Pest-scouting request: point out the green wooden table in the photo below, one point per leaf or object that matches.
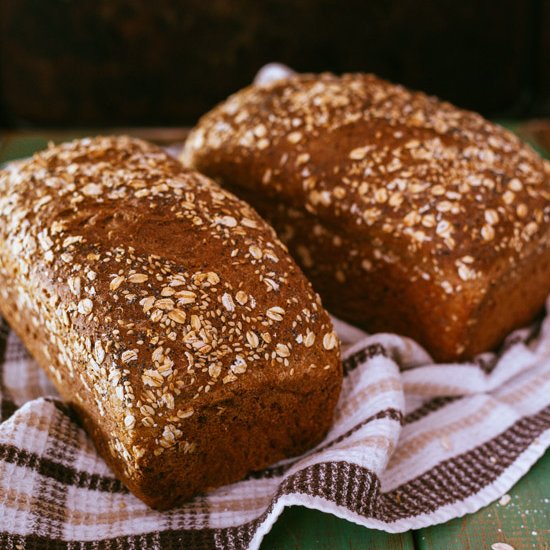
(523, 523)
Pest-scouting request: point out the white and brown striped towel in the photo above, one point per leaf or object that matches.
(413, 444)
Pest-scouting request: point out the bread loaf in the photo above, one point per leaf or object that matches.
(408, 214)
(167, 314)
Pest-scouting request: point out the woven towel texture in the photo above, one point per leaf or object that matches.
(413, 444)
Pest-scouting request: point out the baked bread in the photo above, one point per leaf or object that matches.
(408, 214)
(166, 312)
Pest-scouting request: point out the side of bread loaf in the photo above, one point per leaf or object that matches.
(408, 214)
(166, 312)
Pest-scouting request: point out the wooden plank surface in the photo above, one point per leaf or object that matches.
(524, 522)
(300, 528)
(14, 145)
(15, 148)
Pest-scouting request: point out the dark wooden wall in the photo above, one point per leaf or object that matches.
(165, 62)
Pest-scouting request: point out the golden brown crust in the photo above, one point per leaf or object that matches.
(422, 201)
(164, 308)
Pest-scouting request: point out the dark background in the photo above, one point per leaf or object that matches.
(69, 63)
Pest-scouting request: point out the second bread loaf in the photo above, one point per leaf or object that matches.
(408, 214)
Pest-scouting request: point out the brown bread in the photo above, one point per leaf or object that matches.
(167, 313)
(408, 214)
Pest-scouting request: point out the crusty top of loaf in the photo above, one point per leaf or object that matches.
(409, 174)
(161, 291)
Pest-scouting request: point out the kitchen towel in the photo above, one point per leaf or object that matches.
(413, 444)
